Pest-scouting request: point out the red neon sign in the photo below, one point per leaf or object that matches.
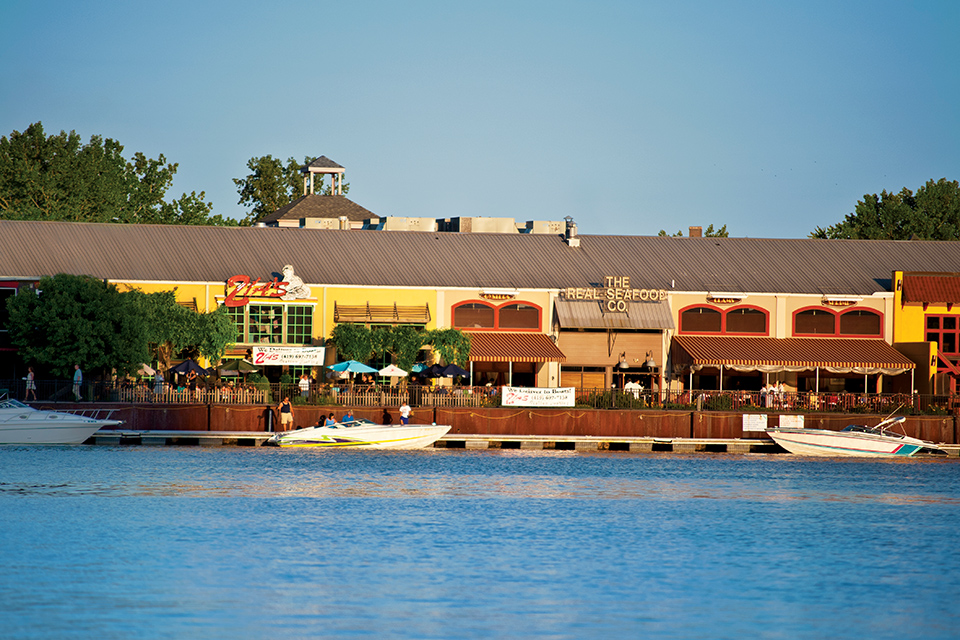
(240, 290)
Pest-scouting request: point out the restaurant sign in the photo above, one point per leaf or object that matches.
(297, 356)
(240, 288)
(538, 397)
(615, 293)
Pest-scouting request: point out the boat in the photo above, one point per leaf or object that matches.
(856, 440)
(362, 434)
(22, 424)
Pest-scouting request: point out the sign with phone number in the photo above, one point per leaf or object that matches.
(536, 397)
(297, 356)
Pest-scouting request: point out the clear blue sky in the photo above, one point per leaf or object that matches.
(769, 117)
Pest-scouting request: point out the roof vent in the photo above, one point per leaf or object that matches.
(570, 237)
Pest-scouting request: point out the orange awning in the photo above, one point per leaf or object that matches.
(513, 347)
(931, 288)
(836, 355)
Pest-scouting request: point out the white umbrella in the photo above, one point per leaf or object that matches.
(391, 371)
(146, 370)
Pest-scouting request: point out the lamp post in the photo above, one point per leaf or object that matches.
(651, 366)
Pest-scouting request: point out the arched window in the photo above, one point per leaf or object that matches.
(860, 322)
(700, 320)
(746, 320)
(815, 322)
(519, 316)
(473, 315)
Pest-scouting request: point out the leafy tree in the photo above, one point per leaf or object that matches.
(77, 320)
(170, 328)
(933, 213)
(271, 185)
(352, 341)
(453, 345)
(58, 177)
(402, 343)
(709, 233)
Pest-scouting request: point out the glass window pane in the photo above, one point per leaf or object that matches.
(815, 322)
(746, 321)
(933, 322)
(860, 323)
(519, 316)
(950, 323)
(473, 315)
(299, 324)
(700, 320)
(949, 344)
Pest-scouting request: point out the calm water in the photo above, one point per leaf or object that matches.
(141, 542)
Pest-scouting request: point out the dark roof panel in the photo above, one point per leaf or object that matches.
(418, 259)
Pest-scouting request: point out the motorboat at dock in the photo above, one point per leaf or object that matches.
(854, 441)
(362, 434)
(22, 424)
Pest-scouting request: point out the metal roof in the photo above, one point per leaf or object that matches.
(588, 314)
(483, 260)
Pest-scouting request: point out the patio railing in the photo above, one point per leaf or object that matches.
(423, 396)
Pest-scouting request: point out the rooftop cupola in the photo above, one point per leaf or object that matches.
(322, 166)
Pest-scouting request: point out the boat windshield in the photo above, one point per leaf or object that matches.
(862, 428)
(10, 403)
(356, 422)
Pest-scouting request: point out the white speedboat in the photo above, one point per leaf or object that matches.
(855, 440)
(22, 424)
(362, 434)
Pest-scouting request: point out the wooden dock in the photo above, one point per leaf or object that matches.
(473, 441)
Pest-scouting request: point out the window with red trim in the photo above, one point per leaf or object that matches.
(516, 316)
(474, 315)
(745, 320)
(819, 322)
(945, 332)
(701, 320)
(860, 322)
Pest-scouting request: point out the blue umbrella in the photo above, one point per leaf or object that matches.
(352, 366)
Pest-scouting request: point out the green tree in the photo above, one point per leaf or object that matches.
(709, 233)
(58, 177)
(271, 185)
(352, 341)
(401, 342)
(453, 345)
(933, 213)
(171, 328)
(77, 320)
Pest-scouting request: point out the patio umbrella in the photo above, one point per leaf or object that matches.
(146, 370)
(391, 371)
(418, 367)
(453, 371)
(433, 371)
(238, 365)
(187, 366)
(352, 366)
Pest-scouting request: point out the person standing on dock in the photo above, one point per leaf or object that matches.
(405, 412)
(77, 381)
(31, 385)
(286, 413)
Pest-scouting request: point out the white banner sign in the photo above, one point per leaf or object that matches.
(792, 421)
(754, 422)
(298, 356)
(536, 397)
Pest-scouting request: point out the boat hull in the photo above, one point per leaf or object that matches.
(820, 442)
(50, 427)
(414, 436)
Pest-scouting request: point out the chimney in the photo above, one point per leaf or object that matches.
(696, 232)
(570, 237)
